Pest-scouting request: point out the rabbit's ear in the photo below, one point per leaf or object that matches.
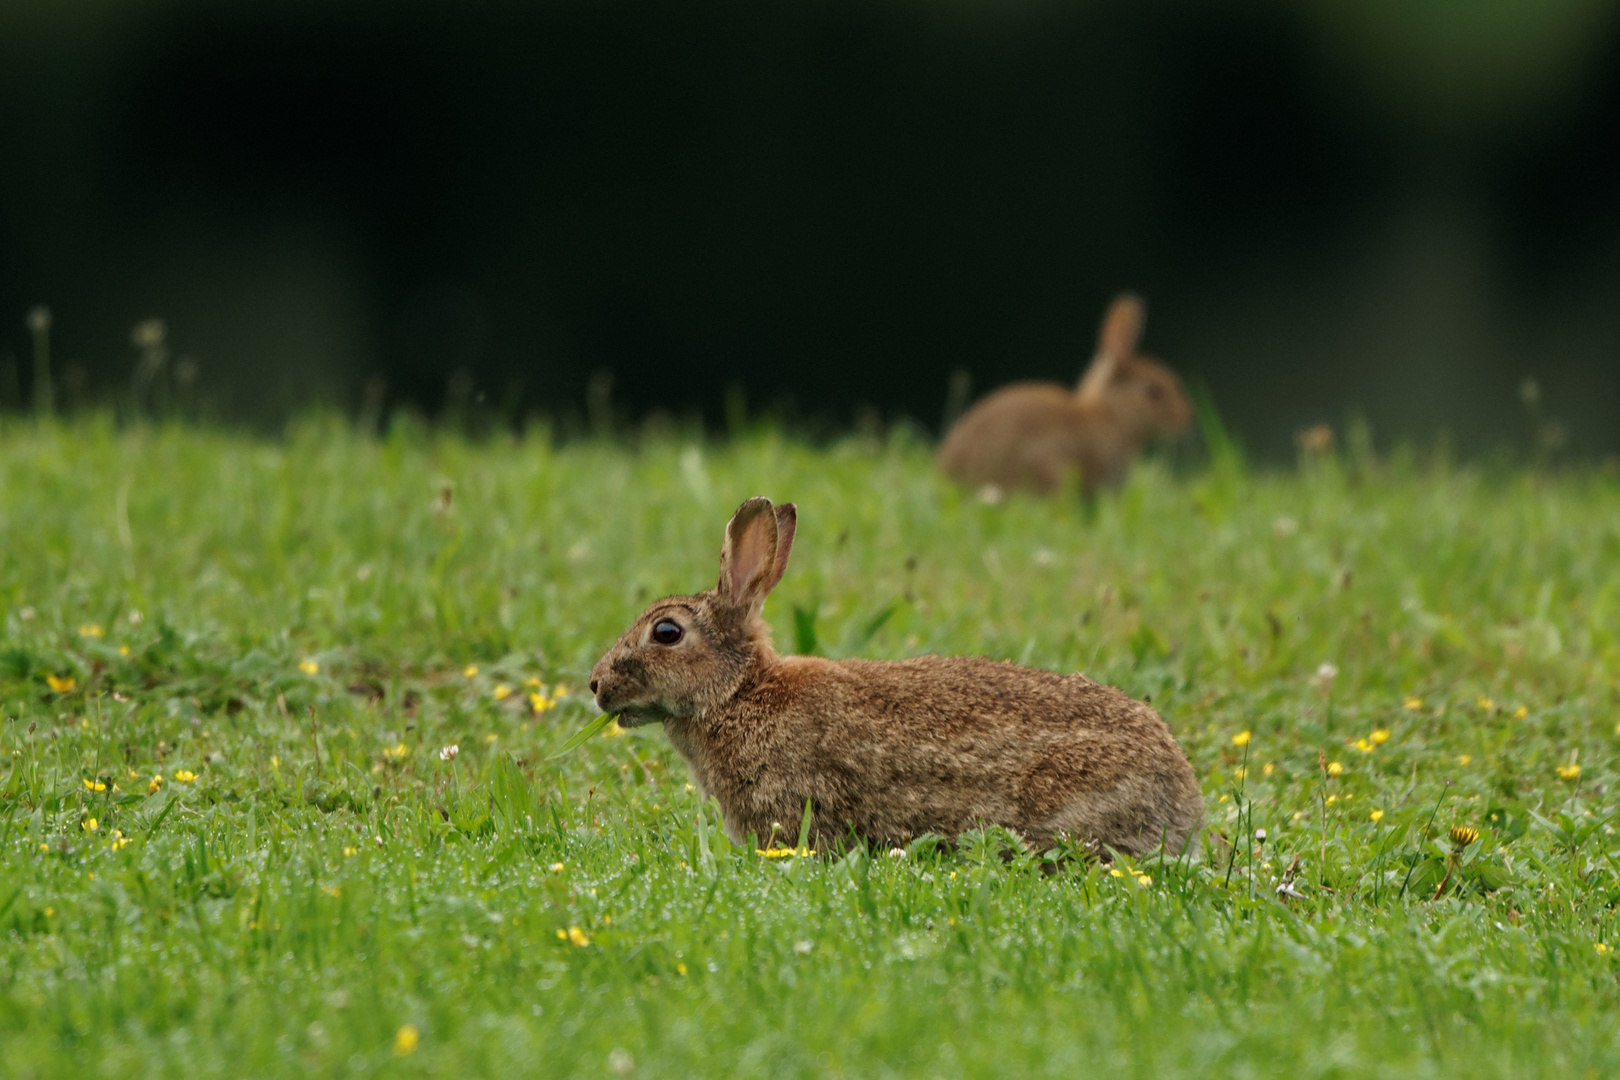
(787, 523)
(1094, 383)
(1117, 339)
(1121, 329)
(748, 558)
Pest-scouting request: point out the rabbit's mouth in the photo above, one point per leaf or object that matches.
(640, 715)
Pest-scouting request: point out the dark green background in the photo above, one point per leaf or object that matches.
(1398, 207)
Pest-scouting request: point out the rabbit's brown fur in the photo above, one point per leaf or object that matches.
(890, 749)
(1034, 436)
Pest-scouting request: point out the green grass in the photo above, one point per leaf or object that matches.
(310, 609)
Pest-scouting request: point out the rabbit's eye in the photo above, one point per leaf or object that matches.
(667, 632)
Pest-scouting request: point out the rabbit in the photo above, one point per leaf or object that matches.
(886, 750)
(1032, 435)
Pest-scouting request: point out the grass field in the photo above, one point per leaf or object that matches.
(291, 633)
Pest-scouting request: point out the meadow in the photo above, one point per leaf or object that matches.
(278, 794)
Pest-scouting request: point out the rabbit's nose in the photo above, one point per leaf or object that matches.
(594, 683)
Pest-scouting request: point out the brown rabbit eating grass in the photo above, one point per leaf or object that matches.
(888, 750)
(1034, 435)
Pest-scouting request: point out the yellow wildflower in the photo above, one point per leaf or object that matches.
(1143, 880)
(534, 682)
(118, 839)
(1572, 771)
(153, 787)
(1331, 799)
(64, 685)
(1364, 746)
(350, 852)
(501, 692)
(557, 692)
(1380, 736)
(785, 852)
(1602, 948)
(91, 825)
(470, 670)
(538, 702)
(309, 666)
(614, 730)
(1242, 738)
(1487, 704)
(1521, 712)
(1116, 872)
(1240, 772)
(1376, 815)
(123, 650)
(334, 891)
(185, 776)
(1268, 768)
(405, 1040)
(95, 785)
(557, 868)
(397, 752)
(90, 630)
(1463, 835)
(680, 969)
(1334, 768)
(1412, 704)
(577, 938)
(1464, 759)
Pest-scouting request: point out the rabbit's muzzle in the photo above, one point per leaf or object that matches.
(619, 690)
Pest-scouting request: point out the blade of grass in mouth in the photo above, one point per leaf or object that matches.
(583, 735)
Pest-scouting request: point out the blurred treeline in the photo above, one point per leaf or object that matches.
(1402, 208)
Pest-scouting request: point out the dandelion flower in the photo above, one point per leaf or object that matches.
(470, 670)
(185, 776)
(397, 752)
(1463, 835)
(448, 753)
(803, 853)
(1464, 759)
(1487, 704)
(501, 692)
(1268, 768)
(577, 938)
(1364, 746)
(557, 868)
(91, 630)
(350, 852)
(680, 969)
(309, 666)
(95, 785)
(1334, 768)
(1143, 880)
(1572, 771)
(91, 825)
(1116, 872)
(1376, 815)
(1412, 704)
(1242, 738)
(406, 1039)
(1521, 712)
(1380, 736)
(66, 684)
